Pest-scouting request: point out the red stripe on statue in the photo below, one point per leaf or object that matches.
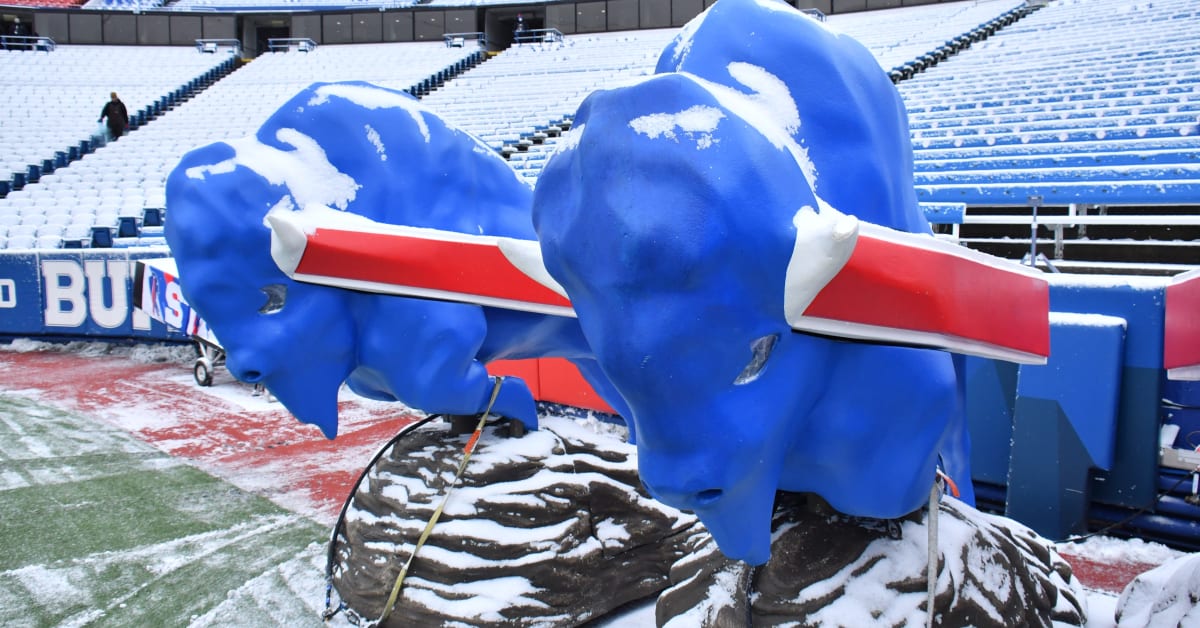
(928, 292)
(456, 267)
(1181, 342)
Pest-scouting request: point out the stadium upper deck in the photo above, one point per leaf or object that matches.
(1039, 106)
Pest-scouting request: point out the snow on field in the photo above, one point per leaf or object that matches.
(133, 497)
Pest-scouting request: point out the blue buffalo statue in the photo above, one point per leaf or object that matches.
(671, 215)
(361, 150)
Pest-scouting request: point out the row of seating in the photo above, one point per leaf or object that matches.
(53, 99)
(509, 99)
(1023, 113)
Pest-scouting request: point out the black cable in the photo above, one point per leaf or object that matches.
(1126, 520)
(341, 520)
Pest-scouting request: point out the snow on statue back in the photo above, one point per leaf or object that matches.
(335, 150)
(670, 216)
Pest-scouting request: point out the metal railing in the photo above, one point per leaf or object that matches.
(303, 44)
(537, 35)
(213, 45)
(458, 40)
(26, 42)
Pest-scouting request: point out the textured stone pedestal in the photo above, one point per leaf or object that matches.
(549, 529)
(831, 570)
(554, 529)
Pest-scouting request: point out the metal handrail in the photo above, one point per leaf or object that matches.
(26, 42)
(537, 35)
(212, 45)
(303, 44)
(457, 40)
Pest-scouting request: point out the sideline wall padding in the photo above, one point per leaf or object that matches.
(75, 294)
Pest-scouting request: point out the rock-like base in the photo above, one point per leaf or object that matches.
(831, 570)
(549, 529)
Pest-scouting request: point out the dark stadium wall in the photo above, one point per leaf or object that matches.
(401, 25)
(340, 27)
(183, 29)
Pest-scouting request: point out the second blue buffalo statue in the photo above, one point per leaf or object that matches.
(671, 215)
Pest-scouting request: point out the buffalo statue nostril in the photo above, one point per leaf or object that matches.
(250, 377)
(708, 496)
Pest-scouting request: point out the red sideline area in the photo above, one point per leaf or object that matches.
(263, 449)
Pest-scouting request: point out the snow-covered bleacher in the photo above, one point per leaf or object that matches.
(898, 36)
(123, 5)
(52, 99)
(1090, 110)
(276, 5)
(111, 188)
(530, 87)
(1084, 102)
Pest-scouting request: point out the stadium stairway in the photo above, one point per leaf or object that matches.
(438, 80)
(959, 43)
(32, 172)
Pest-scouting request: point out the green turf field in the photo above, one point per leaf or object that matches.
(98, 528)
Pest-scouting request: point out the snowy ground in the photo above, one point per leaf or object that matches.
(130, 496)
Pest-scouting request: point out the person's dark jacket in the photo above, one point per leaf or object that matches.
(118, 117)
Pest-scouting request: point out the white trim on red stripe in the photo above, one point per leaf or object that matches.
(942, 247)
(907, 337)
(824, 243)
(440, 295)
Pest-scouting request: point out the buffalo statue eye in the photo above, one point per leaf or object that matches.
(276, 298)
(760, 351)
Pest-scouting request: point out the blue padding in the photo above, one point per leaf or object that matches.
(1138, 300)
(944, 213)
(1083, 375)
(1065, 423)
(1048, 485)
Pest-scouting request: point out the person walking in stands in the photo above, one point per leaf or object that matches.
(118, 117)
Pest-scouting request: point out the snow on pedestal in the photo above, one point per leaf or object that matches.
(827, 569)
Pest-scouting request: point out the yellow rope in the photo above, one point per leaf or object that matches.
(467, 451)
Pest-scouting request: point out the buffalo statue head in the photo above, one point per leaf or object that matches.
(345, 148)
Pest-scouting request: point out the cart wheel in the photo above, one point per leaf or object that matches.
(202, 370)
